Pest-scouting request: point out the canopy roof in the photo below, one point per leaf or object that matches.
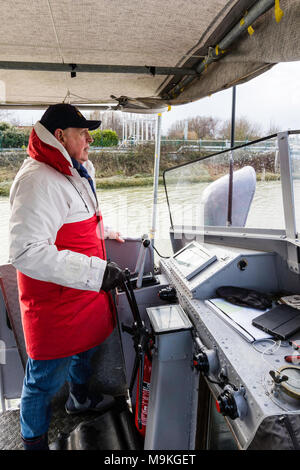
(181, 50)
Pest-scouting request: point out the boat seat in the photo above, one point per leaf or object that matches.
(126, 254)
(215, 198)
(9, 289)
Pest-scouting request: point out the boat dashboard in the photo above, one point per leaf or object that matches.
(234, 222)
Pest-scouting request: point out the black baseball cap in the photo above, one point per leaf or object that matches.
(63, 115)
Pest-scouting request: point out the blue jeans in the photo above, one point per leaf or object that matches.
(43, 379)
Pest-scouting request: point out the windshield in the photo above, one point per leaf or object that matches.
(294, 148)
(198, 192)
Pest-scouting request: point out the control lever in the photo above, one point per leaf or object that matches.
(142, 340)
(140, 264)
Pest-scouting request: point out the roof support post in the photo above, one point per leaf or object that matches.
(156, 177)
(231, 161)
(288, 200)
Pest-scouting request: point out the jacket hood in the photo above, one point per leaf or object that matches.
(45, 148)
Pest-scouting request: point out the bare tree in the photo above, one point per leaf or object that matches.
(176, 130)
(204, 126)
(200, 127)
(109, 120)
(244, 130)
(273, 128)
(9, 116)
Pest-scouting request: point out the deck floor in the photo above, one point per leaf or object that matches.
(61, 423)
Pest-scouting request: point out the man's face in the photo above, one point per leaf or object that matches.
(76, 141)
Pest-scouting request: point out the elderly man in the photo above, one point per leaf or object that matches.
(57, 246)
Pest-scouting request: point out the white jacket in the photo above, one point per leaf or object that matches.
(42, 199)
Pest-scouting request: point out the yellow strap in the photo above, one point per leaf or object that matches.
(169, 108)
(217, 50)
(151, 234)
(242, 21)
(250, 30)
(278, 11)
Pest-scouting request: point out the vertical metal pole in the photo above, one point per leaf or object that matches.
(2, 397)
(230, 187)
(156, 176)
(186, 126)
(138, 128)
(286, 175)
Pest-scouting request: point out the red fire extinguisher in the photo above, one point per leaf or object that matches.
(141, 427)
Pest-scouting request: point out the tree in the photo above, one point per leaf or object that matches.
(205, 127)
(244, 130)
(273, 128)
(105, 138)
(12, 137)
(176, 130)
(201, 127)
(109, 120)
(9, 117)
(4, 126)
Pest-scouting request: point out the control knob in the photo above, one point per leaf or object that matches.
(232, 402)
(205, 360)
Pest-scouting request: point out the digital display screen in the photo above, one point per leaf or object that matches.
(168, 318)
(193, 259)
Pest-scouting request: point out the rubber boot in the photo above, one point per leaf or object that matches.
(36, 443)
(80, 400)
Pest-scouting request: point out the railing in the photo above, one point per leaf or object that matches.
(179, 145)
(213, 145)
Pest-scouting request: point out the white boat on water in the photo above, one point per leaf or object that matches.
(144, 58)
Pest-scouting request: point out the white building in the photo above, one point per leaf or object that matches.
(138, 127)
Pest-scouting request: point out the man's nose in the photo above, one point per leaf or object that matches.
(89, 138)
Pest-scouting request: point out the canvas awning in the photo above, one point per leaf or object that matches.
(43, 41)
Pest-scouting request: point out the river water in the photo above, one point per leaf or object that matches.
(129, 210)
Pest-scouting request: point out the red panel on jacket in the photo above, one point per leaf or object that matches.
(60, 321)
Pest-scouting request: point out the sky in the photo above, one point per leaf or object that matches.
(272, 99)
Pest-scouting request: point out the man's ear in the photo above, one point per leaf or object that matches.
(59, 134)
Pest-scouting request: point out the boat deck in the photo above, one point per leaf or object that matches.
(111, 429)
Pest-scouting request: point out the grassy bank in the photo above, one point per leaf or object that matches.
(124, 182)
(114, 182)
(102, 183)
(134, 167)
